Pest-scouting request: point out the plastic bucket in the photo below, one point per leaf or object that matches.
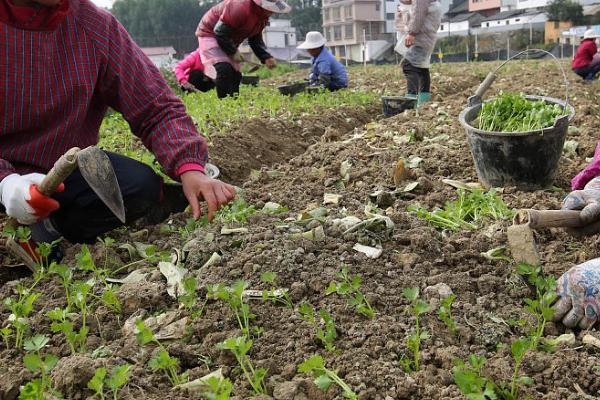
(293, 88)
(250, 80)
(393, 105)
(527, 160)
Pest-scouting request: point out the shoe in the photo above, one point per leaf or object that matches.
(423, 98)
(27, 253)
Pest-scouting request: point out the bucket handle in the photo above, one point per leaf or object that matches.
(489, 79)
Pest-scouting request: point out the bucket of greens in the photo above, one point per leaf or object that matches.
(516, 139)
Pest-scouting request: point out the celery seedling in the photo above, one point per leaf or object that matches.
(469, 380)
(324, 377)
(81, 291)
(326, 336)
(413, 342)
(117, 379)
(519, 348)
(271, 293)
(445, 313)
(162, 360)
(62, 323)
(20, 311)
(38, 388)
(6, 333)
(218, 388)
(233, 296)
(66, 276)
(349, 287)
(240, 346)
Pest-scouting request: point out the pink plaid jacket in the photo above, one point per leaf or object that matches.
(55, 87)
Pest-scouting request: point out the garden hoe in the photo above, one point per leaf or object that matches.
(520, 235)
(96, 169)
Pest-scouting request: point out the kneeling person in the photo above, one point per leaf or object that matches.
(326, 70)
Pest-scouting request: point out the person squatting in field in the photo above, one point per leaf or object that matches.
(586, 62)
(190, 74)
(326, 71)
(417, 23)
(579, 288)
(223, 28)
(64, 62)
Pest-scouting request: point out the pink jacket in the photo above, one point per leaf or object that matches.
(589, 173)
(192, 62)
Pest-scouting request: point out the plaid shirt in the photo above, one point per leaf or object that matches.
(55, 87)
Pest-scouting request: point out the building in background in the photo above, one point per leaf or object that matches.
(485, 7)
(281, 40)
(162, 57)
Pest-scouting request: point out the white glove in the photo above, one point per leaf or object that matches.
(16, 194)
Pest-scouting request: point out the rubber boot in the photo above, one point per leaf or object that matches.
(423, 98)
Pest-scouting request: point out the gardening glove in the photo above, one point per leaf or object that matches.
(588, 201)
(22, 199)
(579, 295)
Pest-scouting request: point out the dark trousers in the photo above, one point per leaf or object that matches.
(228, 80)
(200, 81)
(589, 72)
(82, 216)
(417, 79)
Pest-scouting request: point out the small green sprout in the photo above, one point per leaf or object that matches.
(324, 377)
(234, 298)
(39, 388)
(413, 342)
(326, 336)
(20, 311)
(349, 287)
(445, 313)
(272, 293)
(218, 388)
(469, 380)
(63, 323)
(240, 346)
(117, 379)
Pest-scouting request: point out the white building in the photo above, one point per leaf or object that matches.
(512, 20)
(459, 25)
(280, 39)
(162, 57)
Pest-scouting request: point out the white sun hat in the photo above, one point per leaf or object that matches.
(314, 40)
(590, 34)
(276, 6)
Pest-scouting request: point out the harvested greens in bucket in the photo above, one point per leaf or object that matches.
(512, 112)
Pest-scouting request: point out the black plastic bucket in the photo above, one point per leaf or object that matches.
(527, 160)
(393, 105)
(292, 88)
(250, 80)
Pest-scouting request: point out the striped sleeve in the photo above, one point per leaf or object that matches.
(6, 169)
(132, 85)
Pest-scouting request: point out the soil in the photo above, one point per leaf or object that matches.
(307, 156)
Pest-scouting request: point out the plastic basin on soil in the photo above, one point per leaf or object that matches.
(393, 105)
(527, 160)
(292, 88)
(250, 80)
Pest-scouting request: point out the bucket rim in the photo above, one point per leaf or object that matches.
(398, 98)
(553, 100)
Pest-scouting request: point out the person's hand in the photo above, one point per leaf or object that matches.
(189, 87)
(409, 40)
(270, 63)
(579, 295)
(22, 199)
(196, 186)
(588, 201)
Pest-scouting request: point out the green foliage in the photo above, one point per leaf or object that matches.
(467, 212)
(66, 277)
(190, 298)
(81, 292)
(349, 287)
(324, 377)
(326, 335)
(20, 310)
(273, 294)
(233, 296)
(117, 379)
(445, 313)
(162, 360)
(519, 349)
(240, 346)
(539, 307)
(218, 388)
(38, 388)
(413, 341)
(512, 112)
(565, 10)
(238, 211)
(469, 380)
(63, 323)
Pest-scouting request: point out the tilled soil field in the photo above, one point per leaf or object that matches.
(295, 165)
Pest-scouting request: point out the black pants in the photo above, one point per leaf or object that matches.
(200, 81)
(82, 216)
(228, 80)
(417, 79)
(589, 72)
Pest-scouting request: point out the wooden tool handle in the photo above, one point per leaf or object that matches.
(548, 218)
(62, 168)
(485, 85)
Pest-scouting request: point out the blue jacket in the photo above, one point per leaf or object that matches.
(326, 64)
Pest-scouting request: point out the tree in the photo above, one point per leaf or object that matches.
(305, 16)
(162, 22)
(565, 10)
